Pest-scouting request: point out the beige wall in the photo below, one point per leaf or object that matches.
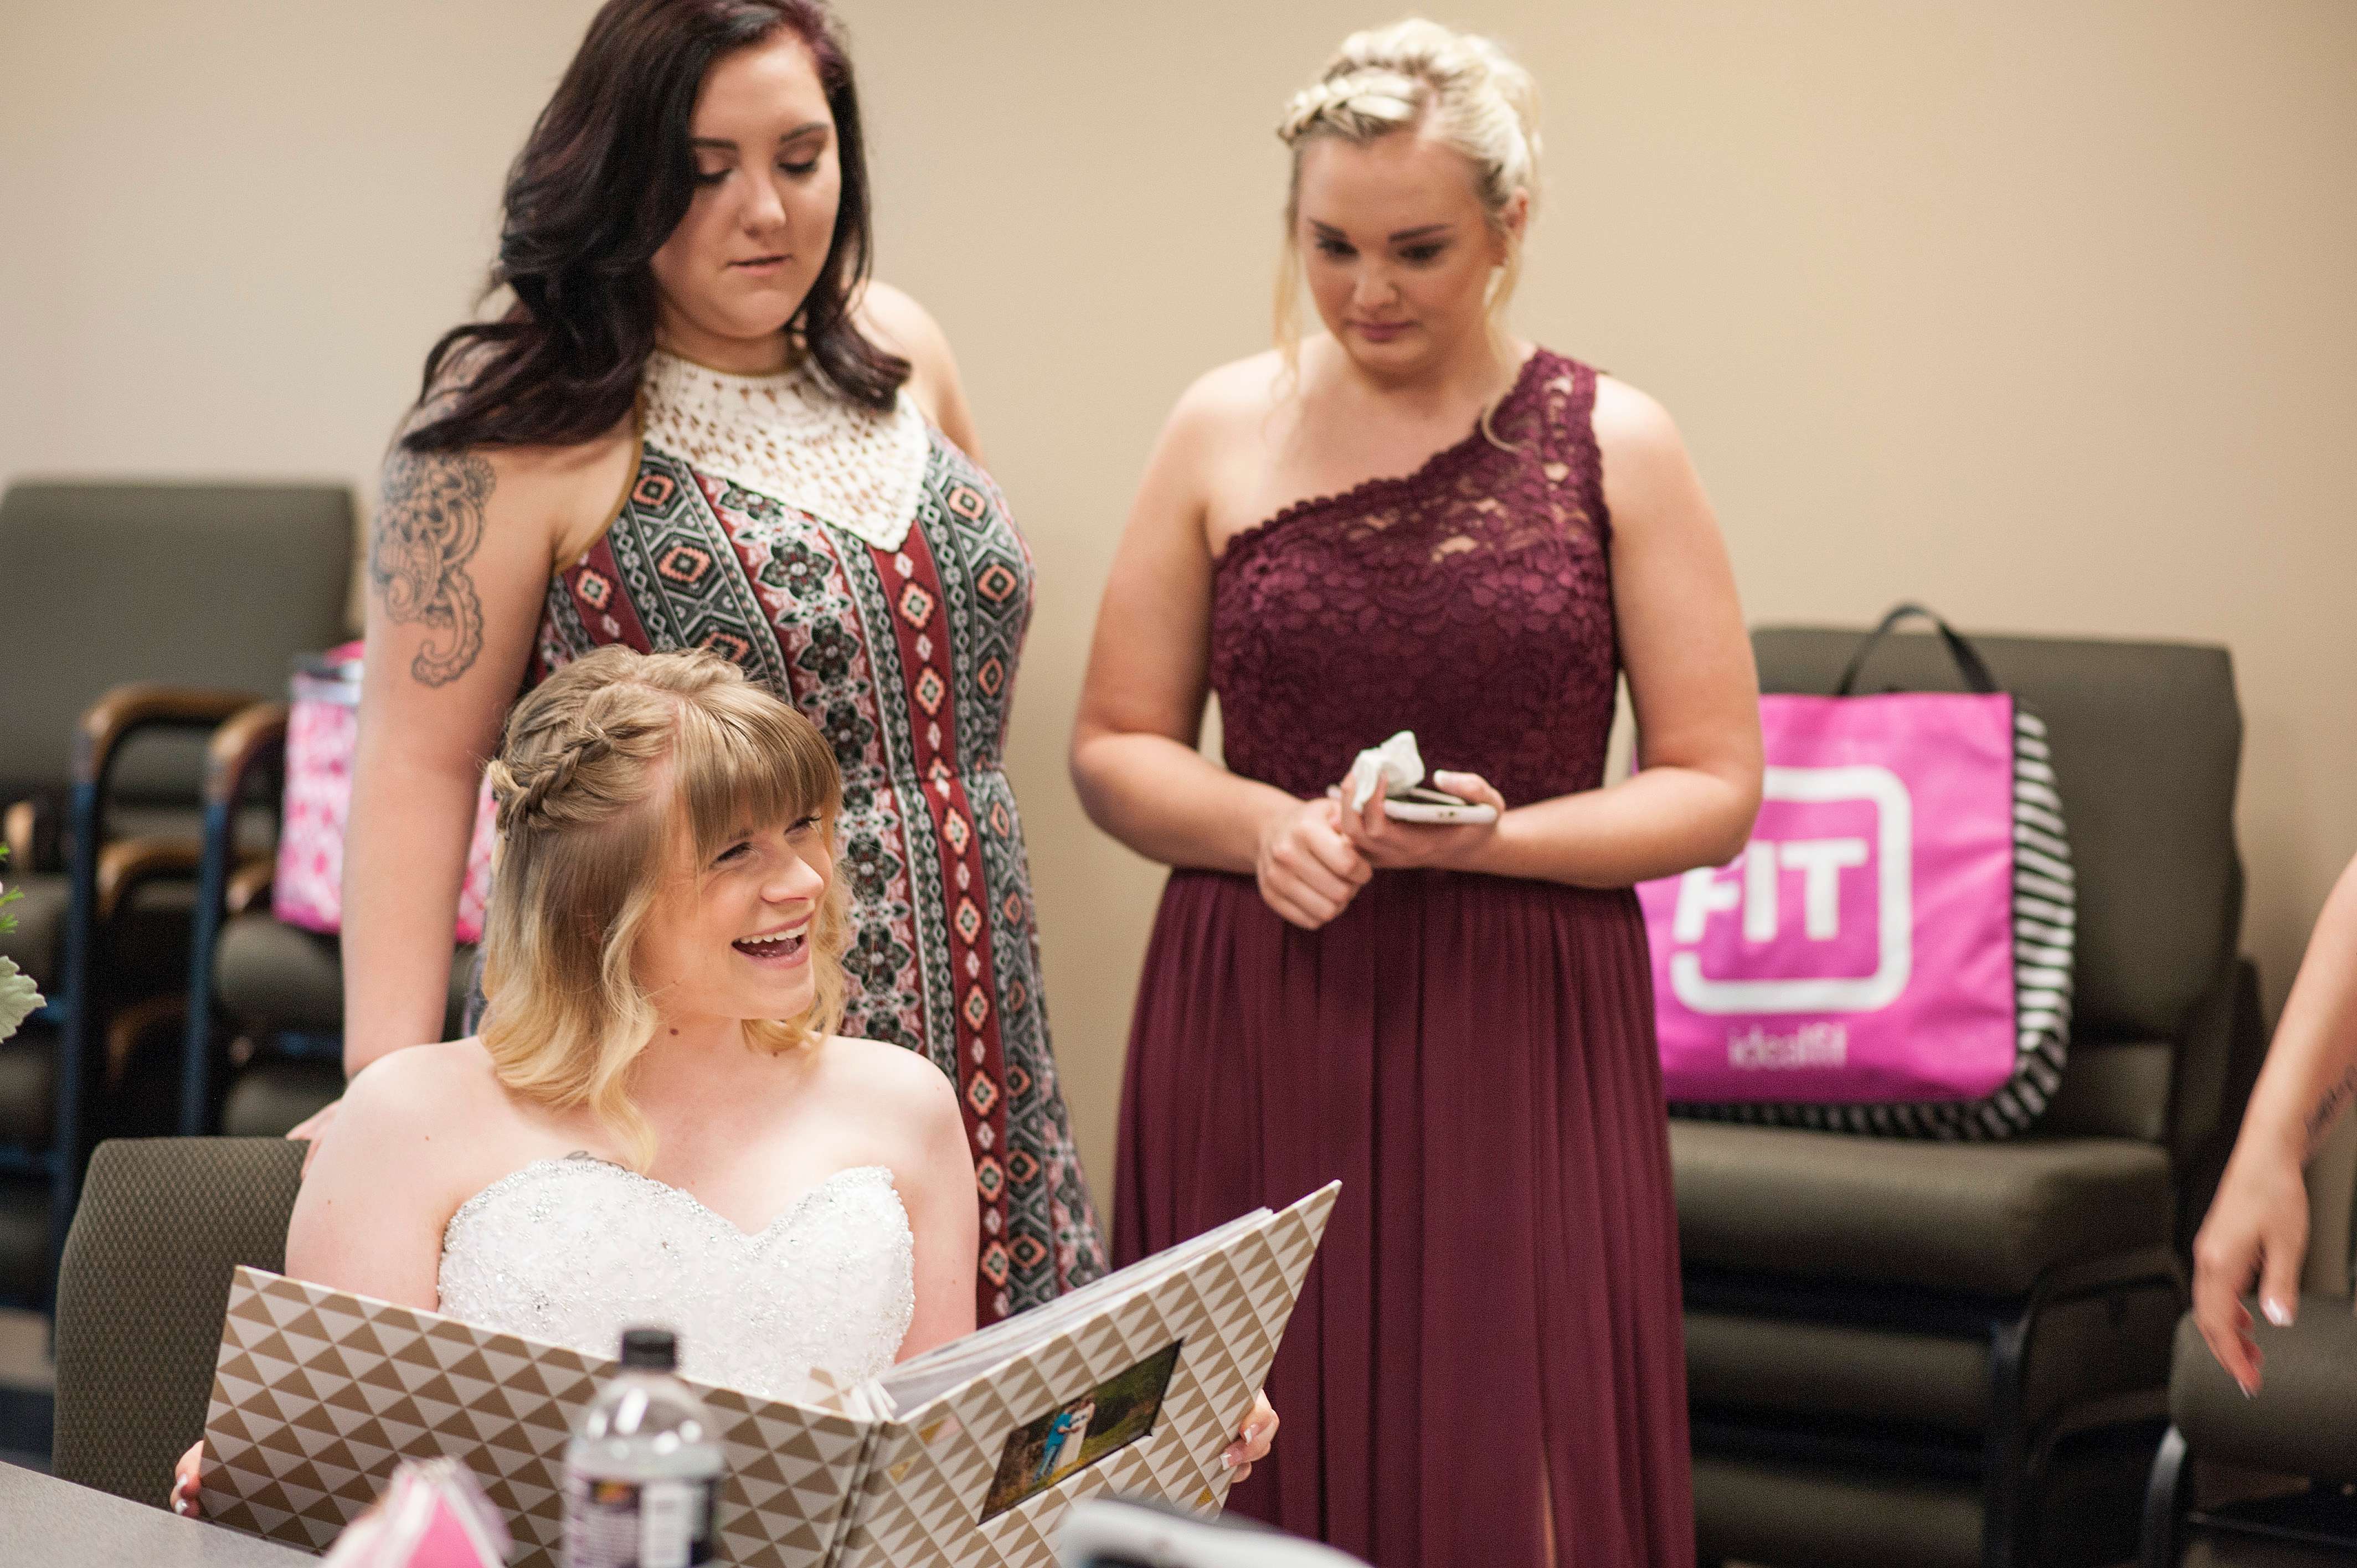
(2043, 313)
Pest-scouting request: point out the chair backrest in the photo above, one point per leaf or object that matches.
(194, 584)
(141, 1292)
(2147, 740)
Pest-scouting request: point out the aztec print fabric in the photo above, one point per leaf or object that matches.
(905, 659)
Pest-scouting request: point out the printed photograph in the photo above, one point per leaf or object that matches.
(1080, 1431)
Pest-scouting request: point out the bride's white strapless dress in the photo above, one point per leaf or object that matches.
(573, 1251)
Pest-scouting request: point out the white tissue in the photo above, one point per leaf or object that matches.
(1397, 764)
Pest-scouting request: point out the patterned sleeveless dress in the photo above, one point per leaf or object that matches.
(1491, 1338)
(862, 567)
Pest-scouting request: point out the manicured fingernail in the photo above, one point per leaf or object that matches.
(2248, 1393)
(2278, 1313)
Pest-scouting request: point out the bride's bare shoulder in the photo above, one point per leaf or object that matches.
(899, 1084)
(449, 1089)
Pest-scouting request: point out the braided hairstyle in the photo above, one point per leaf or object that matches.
(604, 769)
(1460, 89)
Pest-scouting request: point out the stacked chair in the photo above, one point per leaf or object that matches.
(138, 617)
(265, 1019)
(1952, 1355)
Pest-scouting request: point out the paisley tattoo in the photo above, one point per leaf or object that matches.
(428, 524)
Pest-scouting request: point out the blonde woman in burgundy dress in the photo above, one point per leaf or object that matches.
(1416, 520)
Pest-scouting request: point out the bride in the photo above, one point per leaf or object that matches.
(657, 1122)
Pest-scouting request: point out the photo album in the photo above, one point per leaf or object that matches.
(967, 1454)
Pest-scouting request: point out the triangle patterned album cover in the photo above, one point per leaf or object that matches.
(968, 1455)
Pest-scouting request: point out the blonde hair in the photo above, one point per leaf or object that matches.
(1463, 89)
(603, 768)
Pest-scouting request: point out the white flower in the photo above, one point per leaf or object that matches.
(19, 997)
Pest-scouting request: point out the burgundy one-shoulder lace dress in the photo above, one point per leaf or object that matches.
(1493, 1330)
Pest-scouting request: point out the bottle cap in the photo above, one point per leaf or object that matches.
(655, 1350)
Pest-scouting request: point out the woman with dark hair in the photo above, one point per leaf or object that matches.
(698, 424)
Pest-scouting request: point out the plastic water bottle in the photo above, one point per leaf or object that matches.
(643, 1471)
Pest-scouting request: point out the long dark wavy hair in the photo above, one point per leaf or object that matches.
(606, 175)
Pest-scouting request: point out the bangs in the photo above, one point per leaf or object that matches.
(746, 765)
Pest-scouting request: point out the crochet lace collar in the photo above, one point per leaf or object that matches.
(790, 437)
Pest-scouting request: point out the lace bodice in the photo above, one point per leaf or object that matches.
(790, 438)
(1470, 601)
(573, 1251)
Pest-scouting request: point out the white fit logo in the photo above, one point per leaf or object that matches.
(1876, 955)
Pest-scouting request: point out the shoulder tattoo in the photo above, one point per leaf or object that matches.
(429, 522)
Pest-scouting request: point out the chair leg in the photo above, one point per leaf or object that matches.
(197, 1117)
(2164, 1503)
(2006, 1516)
(67, 1138)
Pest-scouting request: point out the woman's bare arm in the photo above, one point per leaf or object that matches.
(1691, 680)
(2255, 1234)
(1134, 744)
(461, 554)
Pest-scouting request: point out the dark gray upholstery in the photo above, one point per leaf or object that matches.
(197, 584)
(2088, 1349)
(2213, 1552)
(1825, 1519)
(270, 1097)
(2269, 1482)
(28, 1084)
(2304, 1421)
(273, 976)
(38, 944)
(1979, 1218)
(141, 1292)
(24, 1236)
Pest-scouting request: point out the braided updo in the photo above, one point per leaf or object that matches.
(1458, 88)
(604, 769)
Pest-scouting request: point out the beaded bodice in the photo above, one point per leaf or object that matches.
(573, 1251)
(1469, 601)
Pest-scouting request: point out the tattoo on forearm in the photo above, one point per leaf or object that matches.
(428, 524)
(2329, 1107)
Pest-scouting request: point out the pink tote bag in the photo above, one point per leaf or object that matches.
(1891, 952)
(322, 733)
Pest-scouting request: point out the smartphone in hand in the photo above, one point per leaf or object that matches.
(1422, 805)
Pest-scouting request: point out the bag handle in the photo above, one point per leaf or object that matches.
(1968, 659)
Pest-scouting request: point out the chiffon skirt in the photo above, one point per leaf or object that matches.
(1489, 1349)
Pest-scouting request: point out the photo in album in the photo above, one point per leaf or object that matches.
(1081, 1432)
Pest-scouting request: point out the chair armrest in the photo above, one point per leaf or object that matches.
(245, 739)
(255, 736)
(33, 828)
(2299, 1425)
(127, 710)
(251, 884)
(127, 864)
